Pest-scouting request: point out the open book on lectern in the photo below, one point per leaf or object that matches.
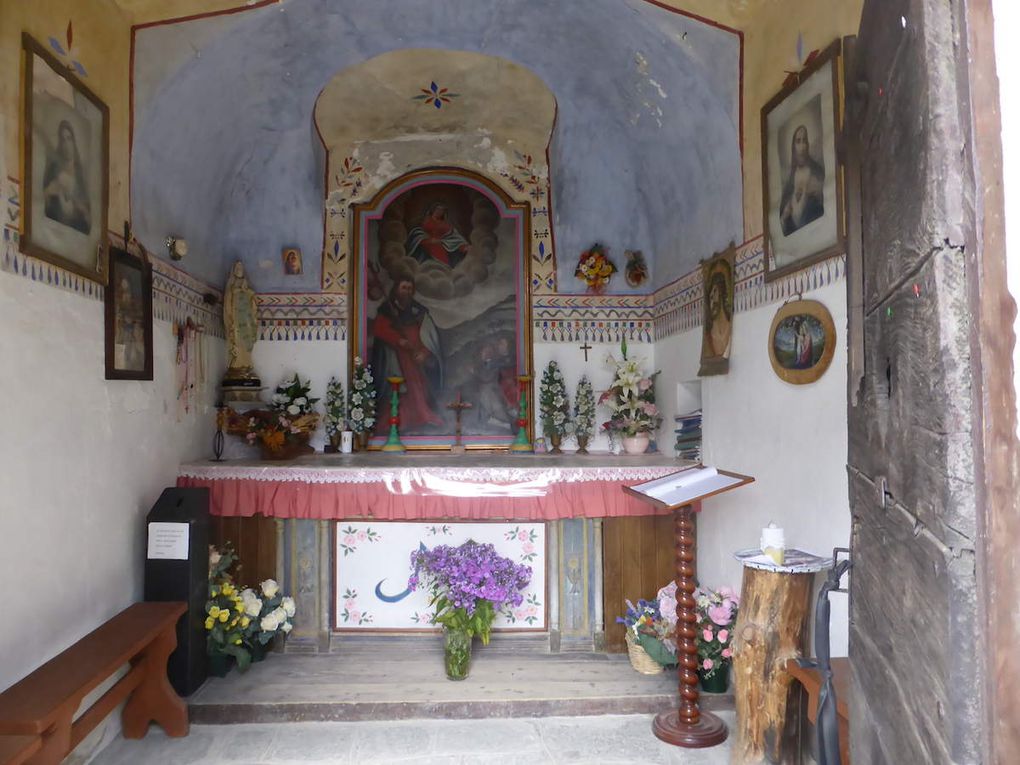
(688, 485)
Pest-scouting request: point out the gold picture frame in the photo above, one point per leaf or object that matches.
(65, 132)
(802, 341)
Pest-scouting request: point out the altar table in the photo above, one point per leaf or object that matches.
(429, 486)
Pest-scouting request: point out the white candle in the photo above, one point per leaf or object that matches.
(773, 543)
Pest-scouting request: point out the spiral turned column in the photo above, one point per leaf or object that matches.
(687, 726)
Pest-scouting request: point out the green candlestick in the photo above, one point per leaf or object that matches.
(393, 443)
(521, 443)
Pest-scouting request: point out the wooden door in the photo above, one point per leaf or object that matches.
(638, 559)
(917, 636)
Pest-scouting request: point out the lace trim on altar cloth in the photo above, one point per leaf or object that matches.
(537, 477)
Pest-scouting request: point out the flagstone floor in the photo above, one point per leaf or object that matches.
(594, 739)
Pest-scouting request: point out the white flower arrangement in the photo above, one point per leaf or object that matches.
(336, 407)
(361, 402)
(630, 398)
(273, 611)
(553, 404)
(584, 409)
(291, 397)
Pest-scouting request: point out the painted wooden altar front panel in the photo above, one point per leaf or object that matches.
(373, 565)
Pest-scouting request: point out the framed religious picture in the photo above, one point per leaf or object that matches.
(441, 286)
(802, 341)
(128, 318)
(717, 323)
(66, 135)
(801, 179)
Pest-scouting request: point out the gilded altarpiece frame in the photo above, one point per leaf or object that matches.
(441, 297)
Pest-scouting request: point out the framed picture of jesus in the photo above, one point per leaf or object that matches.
(441, 298)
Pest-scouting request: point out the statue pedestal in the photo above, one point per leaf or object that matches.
(241, 394)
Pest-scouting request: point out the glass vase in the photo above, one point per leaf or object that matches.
(457, 653)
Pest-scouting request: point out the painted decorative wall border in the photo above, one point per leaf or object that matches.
(302, 316)
(176, 296)
(593, 318)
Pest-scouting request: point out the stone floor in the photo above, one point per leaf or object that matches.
(599, 739)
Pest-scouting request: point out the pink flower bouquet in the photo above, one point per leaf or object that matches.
(717, 615)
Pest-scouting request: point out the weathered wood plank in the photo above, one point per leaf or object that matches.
(913, 424)
(904, 599)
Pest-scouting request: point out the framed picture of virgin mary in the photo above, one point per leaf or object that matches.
(441, 298)
(66, 185)
(801, 177)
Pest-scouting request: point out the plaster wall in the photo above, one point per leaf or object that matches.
(791, 438)
(778, 36)
(101, 43)
(84, 459)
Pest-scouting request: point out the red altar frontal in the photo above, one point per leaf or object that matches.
(430, 486)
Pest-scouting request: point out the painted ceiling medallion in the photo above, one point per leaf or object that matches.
(435, 95)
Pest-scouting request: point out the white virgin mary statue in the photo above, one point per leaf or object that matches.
(240, 319)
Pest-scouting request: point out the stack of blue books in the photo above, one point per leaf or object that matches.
(688, 436)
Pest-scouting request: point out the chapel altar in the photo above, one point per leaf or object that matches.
(327, 511)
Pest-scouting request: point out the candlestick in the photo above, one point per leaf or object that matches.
(521, 443)
(393, 443)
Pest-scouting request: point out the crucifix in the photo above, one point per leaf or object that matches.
(458, 406)
(586, 348)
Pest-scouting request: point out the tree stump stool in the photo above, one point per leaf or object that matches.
(770, 630)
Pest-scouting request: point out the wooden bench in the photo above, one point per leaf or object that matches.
(36, 714)
(812, 682)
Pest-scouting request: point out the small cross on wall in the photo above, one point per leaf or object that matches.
(586, 348)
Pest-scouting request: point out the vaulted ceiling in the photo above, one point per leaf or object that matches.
(645, 154)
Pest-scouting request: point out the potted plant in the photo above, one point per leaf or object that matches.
(225, 621)
(470, 584)
(584, 414)
(631, 401)
(554, 406)
(361, 409)
(270, 611)
(336, 412)
(717, 613)
(283, 431)
(651, 641)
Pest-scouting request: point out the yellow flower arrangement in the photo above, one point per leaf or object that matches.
(595, 268)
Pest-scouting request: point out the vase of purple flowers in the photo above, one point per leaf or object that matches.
(470, 584)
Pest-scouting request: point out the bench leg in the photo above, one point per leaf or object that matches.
(154, 700)
(56, 742)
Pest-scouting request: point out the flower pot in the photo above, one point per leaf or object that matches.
(555, 440)
(220, 664)
(290, 450)
(258, 651)
(718, 682)
(636, 444)
(361, 441)
(457, 653)
(582, 444)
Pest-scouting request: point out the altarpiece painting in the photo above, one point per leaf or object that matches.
(442, 300)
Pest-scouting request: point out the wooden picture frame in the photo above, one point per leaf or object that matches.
(802, 180)
(424, 233)
(128, 318)
(65, 131)
(718, 280)
(802, 341)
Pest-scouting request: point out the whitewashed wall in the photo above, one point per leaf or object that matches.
(83, 460)
(792, 438)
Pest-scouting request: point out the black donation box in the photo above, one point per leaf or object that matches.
(177, 568)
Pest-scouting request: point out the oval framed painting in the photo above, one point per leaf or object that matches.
(802, 340)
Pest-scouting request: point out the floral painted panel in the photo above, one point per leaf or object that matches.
(373, 565)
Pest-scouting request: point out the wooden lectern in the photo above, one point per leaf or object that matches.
(687, 726)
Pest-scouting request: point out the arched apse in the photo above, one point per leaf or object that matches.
(645, 154)
(374, 132)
